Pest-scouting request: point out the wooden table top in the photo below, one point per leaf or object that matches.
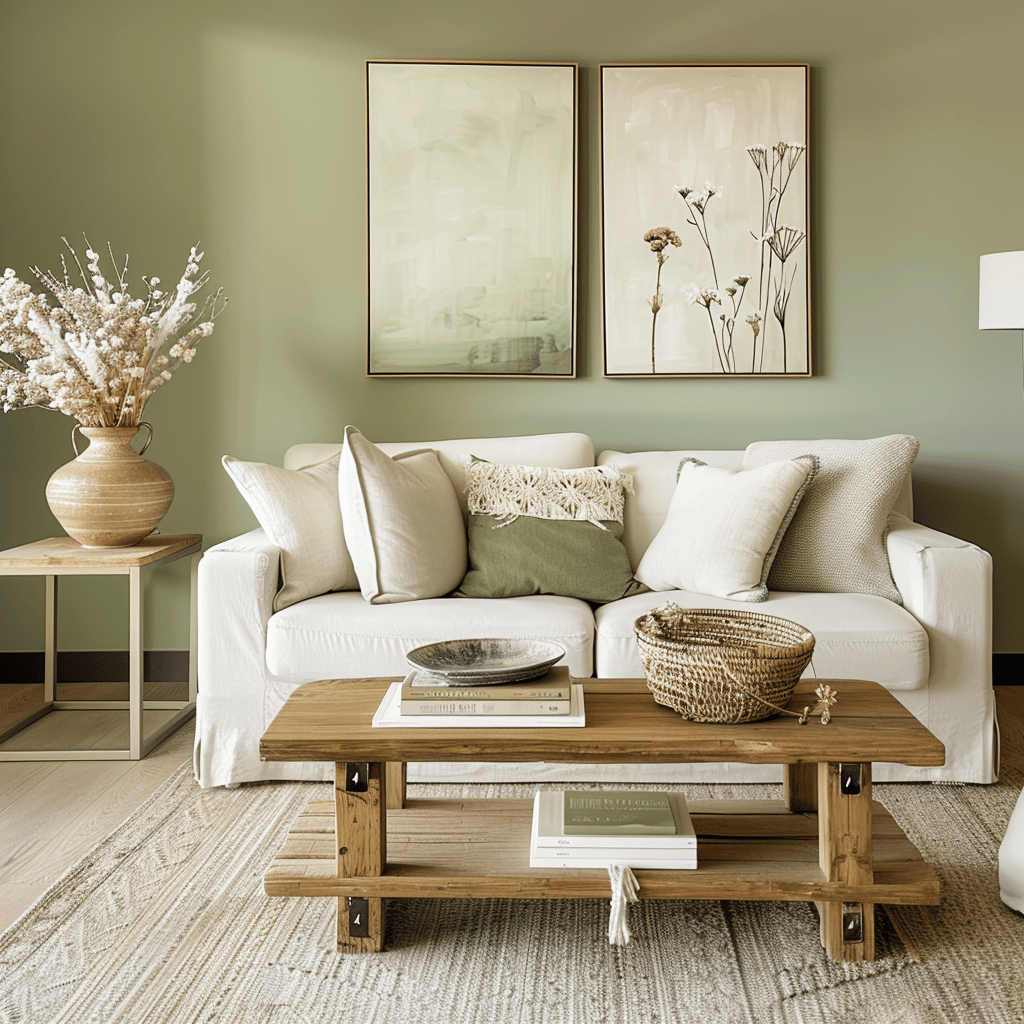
(56, 553)
(330, 720)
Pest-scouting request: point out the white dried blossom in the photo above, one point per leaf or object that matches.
(98, 354)
(696, 295)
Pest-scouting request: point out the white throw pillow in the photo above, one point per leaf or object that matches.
(723, 528)
(298, 509)
(404, 527)
(836, 543)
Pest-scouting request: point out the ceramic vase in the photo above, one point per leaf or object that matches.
(109, 496)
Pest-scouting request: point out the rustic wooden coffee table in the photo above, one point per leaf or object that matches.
(826, 841)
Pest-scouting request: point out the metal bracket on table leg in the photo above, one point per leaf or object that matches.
(849, 779)
(853, 922)
(358, 917)
(357, 777)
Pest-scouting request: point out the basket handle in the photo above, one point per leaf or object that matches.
(825, 694)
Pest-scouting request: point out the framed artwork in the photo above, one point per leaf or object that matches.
(471, 191)
(704, 206)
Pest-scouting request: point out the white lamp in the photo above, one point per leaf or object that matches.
(1001, 292)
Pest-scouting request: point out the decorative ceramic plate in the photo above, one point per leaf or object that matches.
(487, 661)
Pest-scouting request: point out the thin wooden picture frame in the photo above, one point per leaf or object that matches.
(472, 195)
(705, 220)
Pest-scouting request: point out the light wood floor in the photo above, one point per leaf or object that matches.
(53, 812)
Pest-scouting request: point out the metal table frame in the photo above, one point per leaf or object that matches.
(32, 560)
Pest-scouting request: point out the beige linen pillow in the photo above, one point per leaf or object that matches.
(723, 528)
(836, 542)
(298, 509)
(404, 527)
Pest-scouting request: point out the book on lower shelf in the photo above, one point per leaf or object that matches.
(616, 813)
(550, 847)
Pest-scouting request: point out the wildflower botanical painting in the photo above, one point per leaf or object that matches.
(472, 218)
(706, 167)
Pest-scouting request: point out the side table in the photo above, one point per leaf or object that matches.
(62, 556)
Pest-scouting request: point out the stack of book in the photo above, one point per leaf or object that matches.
(423, 694)
(592, 829)
(420, 701)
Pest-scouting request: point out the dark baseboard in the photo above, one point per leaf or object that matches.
(172, 667)
(93, 666)
(1008, 669)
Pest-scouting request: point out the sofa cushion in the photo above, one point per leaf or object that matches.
(340, 635)
(405, 531)
(836, 542)
(857, 636)
(723, 528)
(299, 512)
(541, 530)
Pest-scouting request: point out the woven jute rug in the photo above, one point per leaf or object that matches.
(166, 922)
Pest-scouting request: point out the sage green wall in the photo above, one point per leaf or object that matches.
(240, 123)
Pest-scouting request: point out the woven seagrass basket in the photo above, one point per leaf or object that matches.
(721, 666)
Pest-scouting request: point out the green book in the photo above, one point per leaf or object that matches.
(617, 813)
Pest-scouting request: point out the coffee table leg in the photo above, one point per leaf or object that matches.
(800, 795)
(396, 785)
(360, 832)
(844, 854)
(800, 786)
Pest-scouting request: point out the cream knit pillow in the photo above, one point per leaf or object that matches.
(836, 542)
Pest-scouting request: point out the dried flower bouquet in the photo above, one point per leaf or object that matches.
(98, 355)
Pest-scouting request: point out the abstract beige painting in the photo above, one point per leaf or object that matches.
(472, 218)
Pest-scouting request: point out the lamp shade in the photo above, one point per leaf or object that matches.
(1001, 292)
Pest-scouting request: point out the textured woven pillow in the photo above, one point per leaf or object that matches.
(836, 542)
(723, 528)
(537, 530)
(298, 509)
(404, 526)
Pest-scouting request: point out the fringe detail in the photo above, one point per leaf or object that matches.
(624, 890)
(590, 495)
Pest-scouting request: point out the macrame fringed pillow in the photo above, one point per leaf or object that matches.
(538, 530)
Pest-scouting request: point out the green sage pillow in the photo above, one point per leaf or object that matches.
(538, 530)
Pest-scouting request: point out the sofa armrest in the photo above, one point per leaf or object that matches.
(237, 583)
(946, 584)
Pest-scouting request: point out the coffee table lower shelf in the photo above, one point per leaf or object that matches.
(746, 850)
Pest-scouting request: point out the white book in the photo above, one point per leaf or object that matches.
(635, 859)
(389, 716)
(679, 859)
(548, 831)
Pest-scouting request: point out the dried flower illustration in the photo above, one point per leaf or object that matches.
(659, 239)
(98, 355)
(759, 154)
(782, 293)
(696, 295)
(754, 320)
(696, 205)
(784, 240)
(775, 167)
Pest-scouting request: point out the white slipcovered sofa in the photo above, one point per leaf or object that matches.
(933, 652)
